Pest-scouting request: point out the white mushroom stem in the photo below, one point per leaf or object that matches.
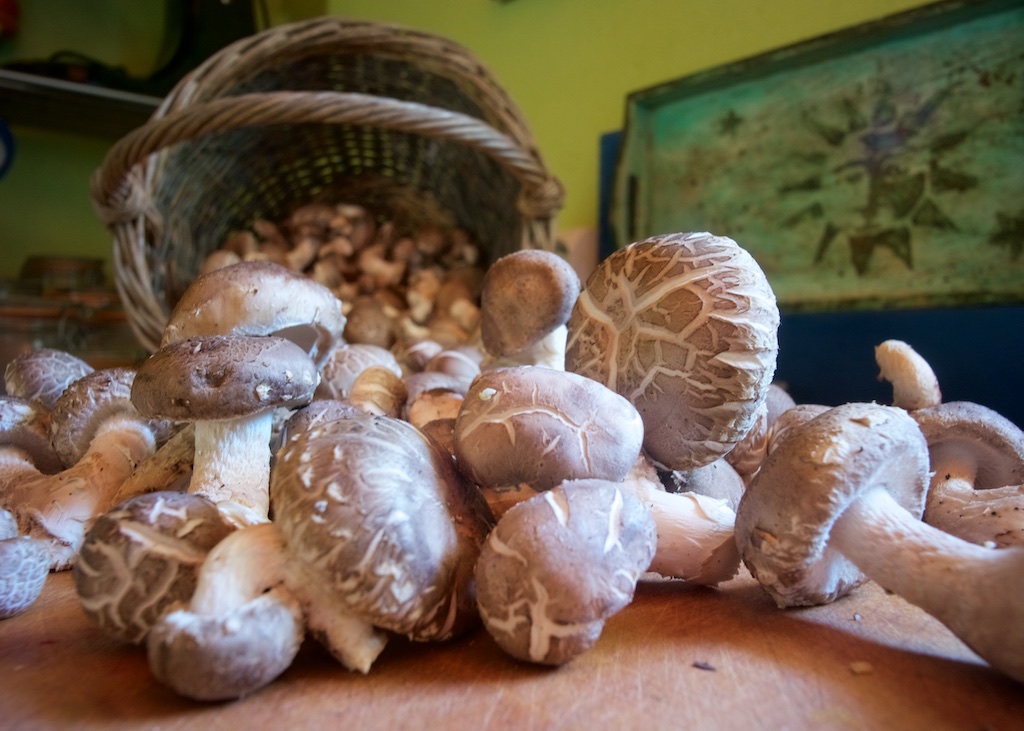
(548, 352)
(696, 537)
(232, 466)
(975, 591)
(58, 507)
(994, 515)
(914, 383)
(252, 561)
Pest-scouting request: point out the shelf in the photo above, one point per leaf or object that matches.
(67, 106)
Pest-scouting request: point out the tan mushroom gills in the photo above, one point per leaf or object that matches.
(914, 383)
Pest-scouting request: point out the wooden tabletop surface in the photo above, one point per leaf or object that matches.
(680, 657)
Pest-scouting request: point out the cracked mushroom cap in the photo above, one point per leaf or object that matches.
(259, 298)
(141, 557)
(223, 377)
(43, 374)
(685, 327)
(380, 514)
(24, 566)
(526, 295)
(558, 565)
(540, 426)
(787, 511)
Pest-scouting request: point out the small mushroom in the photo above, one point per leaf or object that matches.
(914, 383)
(228, 387)
(345, 362)
(141, 557)
(259, 298)
(43, 374)
(839, 501)
(558, 565)
(24, 566)
(525, 302)
(977, 461)
(685, 327)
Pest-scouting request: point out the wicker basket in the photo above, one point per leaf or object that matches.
(405, 123)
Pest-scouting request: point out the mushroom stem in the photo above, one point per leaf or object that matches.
(232, 466)
(58, 507)
(990, 516)
(914, 383)
(975, 591)
(695, 534)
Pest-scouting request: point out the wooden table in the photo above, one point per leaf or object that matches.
(680, 657)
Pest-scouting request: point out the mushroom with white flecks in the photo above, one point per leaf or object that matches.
(141, 557)
(228, 386)
(685, 327)
(977, 462)
(525, 302)
(839, 502)
(558, 565)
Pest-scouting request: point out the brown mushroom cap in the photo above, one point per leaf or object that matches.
(525, 295)
(24, 566)
(141, 557)
(259, 298)
(540, 426)
(823, 466)
(223, 377)
(344, 364)
(385, 521)
(43, 374)
(558, 565)
(685, 327)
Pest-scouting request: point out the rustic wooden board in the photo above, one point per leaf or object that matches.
(681, 657)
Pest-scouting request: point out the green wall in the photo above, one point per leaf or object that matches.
(568, 63)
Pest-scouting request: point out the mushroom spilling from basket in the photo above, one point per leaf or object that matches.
(352, 435)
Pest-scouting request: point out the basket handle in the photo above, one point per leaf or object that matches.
(117, 203)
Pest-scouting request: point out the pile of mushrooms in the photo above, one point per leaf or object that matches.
(284, 475)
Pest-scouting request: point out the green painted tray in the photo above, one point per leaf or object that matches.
(881, 166)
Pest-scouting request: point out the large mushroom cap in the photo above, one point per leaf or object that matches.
(223, 377)
(259, 298)
(385, 521)
(43, 374)
(788, 509)
(685, 327)
(539, 426)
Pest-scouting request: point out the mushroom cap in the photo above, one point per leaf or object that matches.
(142, 557)
(685, 326)
(223, 377)
(964, 430)
(24, 566)
(259, 298)
(525, 295)
(559, 564)
(43, 374)
(788, 509)
(212, 658)
(380, 514)
(25, 425)
(540, 426)
(87, 403)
